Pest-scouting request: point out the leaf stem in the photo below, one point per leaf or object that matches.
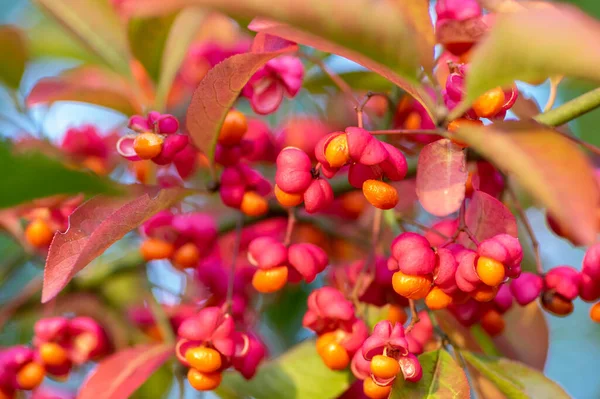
(290, 226)
(236, 249)
(571, 109)
(523, 216)
(407, 131)
(414, 319)
(422, 227)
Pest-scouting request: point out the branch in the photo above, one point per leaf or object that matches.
(534, 242)
(236, 250)
(407, 131)
(571, 109)
(375, 232)
(414, 319)
(290, 226)
(423, 227)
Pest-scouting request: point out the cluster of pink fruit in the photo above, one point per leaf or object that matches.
(59, 344)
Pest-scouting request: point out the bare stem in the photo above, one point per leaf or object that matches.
(553, 92)
(462, 227)
(391, 132)
(339, 82)
(414, 319)
(290, 226)
(423, 227)
(375, 232)
(235, 252)
(535, 245)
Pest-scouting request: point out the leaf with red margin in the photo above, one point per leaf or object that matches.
(119, 375)
(486, 217)
(87, 84)
(95, 226)
(549, 166)
(382, 39)
(441, 177)
(222, 85)
(526, 336)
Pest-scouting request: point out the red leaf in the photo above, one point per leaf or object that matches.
(94, 227)
(441, 177)
(487, 217)
(222, 85)
(118, 376)
(87, 84)
(525, 337)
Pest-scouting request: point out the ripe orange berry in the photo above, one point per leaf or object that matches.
(154, 248)
(384, 367)
(374, 391)
(595, 312)
(234, 127)
(411, 287)
(492, 322)
(38, 233)
(270, 280)
(397, 314)
(204, 381)
(437, 299)
(484, 293)
(148, 145)
(336, 151)
(286, 199)
(203, 359)
(490, 271)
(96, 165)
(254, 204)
(30, 376)
(556, 304)
(335, 356)
(324, 340)
(142, 170)
(53, 354)
(381, 195)
(489, 103)
(186, 256)
(460, 123)
(413, 121)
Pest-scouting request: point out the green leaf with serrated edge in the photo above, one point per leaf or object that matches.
(147, 41)
(184, 29)
(443, 378)
(359, 80)
(38, 176)
(297, 374)
(514, 379)
(549, 166)
(506, 54)
(13, 46)
(96, 25)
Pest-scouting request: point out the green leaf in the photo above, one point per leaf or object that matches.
(96, 25)
(443, 378)
(484, 341)
(183, 31)
(14, 48)
(358, 80)
(514, 379)
(548, 165)
(297, 374)
(157, 386)
(147, 40)
(506, 54)
(37, 176)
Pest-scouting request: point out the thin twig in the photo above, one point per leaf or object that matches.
(462, 227)
(236, 250)
(361, 106)
(339, 82)
(553, 92)
(423, 227)
(414, 319)
(290, 226)
(375, 232)
(161, 318)
(523, 216)
(391, 132)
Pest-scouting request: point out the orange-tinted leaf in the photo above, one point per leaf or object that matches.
(94, 227)
(551, 167)
(86, 84)
(222, 85)
(514, 379)
(14, 48)
(525, 337)
(441, 177)
(487, 217)
(96, 25)
(442, 378)
(506, 54)
(119, 375)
